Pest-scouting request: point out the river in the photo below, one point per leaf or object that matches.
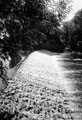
(46, 86)
(72, 72)
(57, 69)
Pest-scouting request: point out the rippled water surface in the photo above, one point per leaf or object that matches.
(47, 86)
(71, 72)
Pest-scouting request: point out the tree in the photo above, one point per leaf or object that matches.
(68, 31)
(60, 8)
(78, 32)
(29, 23)
(72, 32)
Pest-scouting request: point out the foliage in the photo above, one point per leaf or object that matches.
(72, 32)
(3, 74)
(60, 8)
(29, 24)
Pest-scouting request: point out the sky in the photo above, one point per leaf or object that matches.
(77, 5)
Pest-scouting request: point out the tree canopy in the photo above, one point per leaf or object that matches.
(30, 24)
(73, 32)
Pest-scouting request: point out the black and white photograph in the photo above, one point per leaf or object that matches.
(40, 59)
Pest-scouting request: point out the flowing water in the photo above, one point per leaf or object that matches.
(47, 86)
(54, 69)
(72, 74)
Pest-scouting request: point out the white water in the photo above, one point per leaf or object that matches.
(47, 69)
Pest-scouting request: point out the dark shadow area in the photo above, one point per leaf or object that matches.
(48, 52)
(57, 47)
(6, 115)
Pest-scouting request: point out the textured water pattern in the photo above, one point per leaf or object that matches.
(39, 91)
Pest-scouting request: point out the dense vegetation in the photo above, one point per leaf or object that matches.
(72, 34)
(28, 25)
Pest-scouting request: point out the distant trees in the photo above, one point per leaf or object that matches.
(78, 29)
(67, 33)
(73, 32)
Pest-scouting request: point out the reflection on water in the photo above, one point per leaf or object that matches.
(70, 73)
(72, 70)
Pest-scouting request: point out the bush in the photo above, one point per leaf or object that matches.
(3, 75)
